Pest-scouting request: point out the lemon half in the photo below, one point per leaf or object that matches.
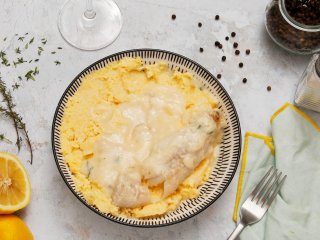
(15, 190)
(13, 228)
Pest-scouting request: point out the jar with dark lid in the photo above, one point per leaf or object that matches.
(295, 24)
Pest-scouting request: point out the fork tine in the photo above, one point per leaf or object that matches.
(267, 194)
(265, 186)
(257, 188)
(276, 191)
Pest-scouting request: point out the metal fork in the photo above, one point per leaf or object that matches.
(258, 202)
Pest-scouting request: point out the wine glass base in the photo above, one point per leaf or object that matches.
(90, 34)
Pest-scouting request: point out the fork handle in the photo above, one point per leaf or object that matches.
(236, 232)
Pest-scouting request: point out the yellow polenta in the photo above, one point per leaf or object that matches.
(87, 116)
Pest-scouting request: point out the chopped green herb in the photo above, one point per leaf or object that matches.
(19, 61)
(40, 50)
(26, 33)
(4, 139)
(4, 60)
(209, 133)
(5, 39)
(20, 78)
(21, 39)
(43, 41)
(199, 126)
(18, 51)
(36, 71)
(53, 52)
(15, 86)
(57, 62)
(36, 60)
(31, 40)
(26, 46)
(30, 75)
(60, 48)
(30, 61)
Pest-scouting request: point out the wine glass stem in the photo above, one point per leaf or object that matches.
(89, 13)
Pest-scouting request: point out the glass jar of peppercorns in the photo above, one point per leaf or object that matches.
(295, 24)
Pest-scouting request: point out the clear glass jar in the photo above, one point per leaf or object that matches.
(308, 90)
(290, 34)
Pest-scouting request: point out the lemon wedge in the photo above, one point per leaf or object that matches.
(15, 190)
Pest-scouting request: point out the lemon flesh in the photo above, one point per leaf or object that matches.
(15, 191)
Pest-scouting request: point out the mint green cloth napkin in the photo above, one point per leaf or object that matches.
(294, 149)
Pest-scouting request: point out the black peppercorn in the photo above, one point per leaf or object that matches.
(233, 34)
(240, 65)
(199, 24)
(220, 46)
(244, 80)
(217, 17)
(248, 51)
(237, 52)
(216, 43)
(227, 38)
(201, 49)
(223, 58)
(269, 88)
(235, 45)
(173, 17)
(218, 75)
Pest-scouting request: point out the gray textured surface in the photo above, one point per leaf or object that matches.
(54, 213)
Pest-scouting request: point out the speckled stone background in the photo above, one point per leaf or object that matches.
(54, 213)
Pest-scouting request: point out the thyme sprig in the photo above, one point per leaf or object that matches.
(17, 120)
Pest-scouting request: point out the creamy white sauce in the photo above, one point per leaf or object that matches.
(146, 138)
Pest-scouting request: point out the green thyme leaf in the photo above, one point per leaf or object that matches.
(40, 50)
(18, 51)
(43, 41)
(59, 48)
(21, 39)
(57, 62)
(36, 60)
(31, 40)
(26, 46)
(4, 139)
(30, 75)
(36, 71)
(5, 39)
(15, 86)
(53, 52)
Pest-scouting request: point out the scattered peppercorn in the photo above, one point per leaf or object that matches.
(233, 34)
(240, 65)
(244, 80)
(216, 43)
(227, 38)
(199, 24)
(173, 17)
(220, 46)
(248, 51)
(235, 44)
(223, 58)
(217, 17)
(201, 49)
(269, 88)
(219, 76)
(237, 52)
